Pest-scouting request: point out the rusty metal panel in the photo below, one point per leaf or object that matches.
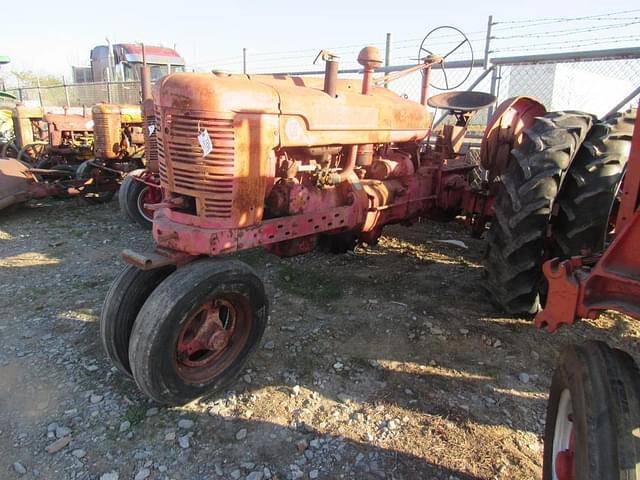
(107, 126)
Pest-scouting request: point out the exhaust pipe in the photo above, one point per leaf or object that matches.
(330, 71)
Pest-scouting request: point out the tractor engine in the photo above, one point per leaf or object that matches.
(275, 161)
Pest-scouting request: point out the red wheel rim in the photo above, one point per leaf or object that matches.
(147, 196)
(566, 461)
(564, 441)
(212, 338)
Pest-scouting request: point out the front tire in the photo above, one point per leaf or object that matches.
(197, 329)
(593, 416)
(123, 302)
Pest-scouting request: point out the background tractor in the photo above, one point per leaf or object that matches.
(68, 154)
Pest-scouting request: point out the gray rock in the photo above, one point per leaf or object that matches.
(313, 474)
(152, 411)
(110, 476)
(255, 476)
(170, 436)
(236, 474)
(124, 426)
(142, 474)
(184, 441)
(185, 423)
(96, 399)
(242, 434)
(78, 453)
(270, 345)
(62, 432)
(524, 377)
(19, 468)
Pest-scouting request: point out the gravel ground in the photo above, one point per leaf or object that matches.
(384, 363)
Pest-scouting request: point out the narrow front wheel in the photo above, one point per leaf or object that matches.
(197, 329)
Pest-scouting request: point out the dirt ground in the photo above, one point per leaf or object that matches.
(384, 363)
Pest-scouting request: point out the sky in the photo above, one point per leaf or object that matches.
(49, 37)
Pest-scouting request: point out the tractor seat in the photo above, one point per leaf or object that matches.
(461, 101)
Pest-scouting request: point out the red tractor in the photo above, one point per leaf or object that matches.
(284, 163)
(281, 163)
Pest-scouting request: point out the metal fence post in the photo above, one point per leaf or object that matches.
(108, 92)
(66, 92)
(495, 89)
(487, 42)
(244, 61)
(39, 92)
(387, 55)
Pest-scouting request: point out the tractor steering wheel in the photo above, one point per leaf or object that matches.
(459, 41)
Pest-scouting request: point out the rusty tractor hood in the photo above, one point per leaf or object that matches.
(307, 115)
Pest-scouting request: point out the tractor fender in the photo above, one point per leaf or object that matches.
(15, 179)
(504, 132)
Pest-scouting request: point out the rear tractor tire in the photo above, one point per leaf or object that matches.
(123, 302)
(593, 415)
(132, 197)
(590, 189)
(524, 201)
(197, 329)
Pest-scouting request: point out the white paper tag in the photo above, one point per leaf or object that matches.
(205, 142)
(151, 128)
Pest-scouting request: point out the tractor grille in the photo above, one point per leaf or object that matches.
(182, 168)
(151, 143)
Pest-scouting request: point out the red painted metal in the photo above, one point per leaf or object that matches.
(504, 132)
(290, 161)
(205, 334)
(565, 464)
(212, 338)
(583, 287)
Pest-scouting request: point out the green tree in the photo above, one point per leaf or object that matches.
(29, 78)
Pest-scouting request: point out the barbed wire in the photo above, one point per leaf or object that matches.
(602, 16)
(557, 45)
(568, 32)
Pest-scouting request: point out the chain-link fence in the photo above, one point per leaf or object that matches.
(80, 94)
(595, 82)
